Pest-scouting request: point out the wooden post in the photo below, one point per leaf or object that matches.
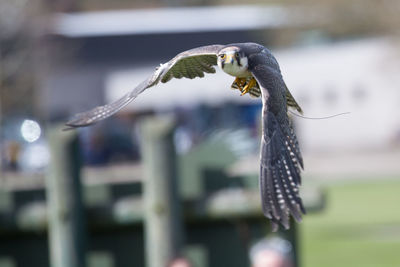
(163, 223)
(64, 200)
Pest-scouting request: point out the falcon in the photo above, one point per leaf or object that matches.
(257, 73)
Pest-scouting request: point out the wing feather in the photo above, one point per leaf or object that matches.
(291, 102)
(207, 55)
(101, 112)
(183, 69)
(203, 67)
(178, 67)
(189, 65)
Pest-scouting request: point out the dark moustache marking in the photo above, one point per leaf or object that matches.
(238, 60)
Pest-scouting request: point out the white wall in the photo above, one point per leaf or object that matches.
(362, 77)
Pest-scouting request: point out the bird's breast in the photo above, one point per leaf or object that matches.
(236, 71)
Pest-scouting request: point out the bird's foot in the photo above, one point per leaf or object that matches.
(238, 83)
(248, 86)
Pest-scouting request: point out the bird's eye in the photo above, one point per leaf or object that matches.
(222, 56)
(237, 54)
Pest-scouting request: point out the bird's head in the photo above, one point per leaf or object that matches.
(233, 61)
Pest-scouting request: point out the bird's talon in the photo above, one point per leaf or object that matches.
(240, 82)
(248, 86)
(246, 89)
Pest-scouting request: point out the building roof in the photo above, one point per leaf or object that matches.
(169, 20)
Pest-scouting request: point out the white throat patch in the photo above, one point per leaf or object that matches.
(234, 68)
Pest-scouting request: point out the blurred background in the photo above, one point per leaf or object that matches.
(78, 198)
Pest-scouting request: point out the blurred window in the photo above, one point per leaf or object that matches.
(330, 96)
(359, 94)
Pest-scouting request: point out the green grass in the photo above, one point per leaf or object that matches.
(360, 226)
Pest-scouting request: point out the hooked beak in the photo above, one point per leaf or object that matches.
(229, 59)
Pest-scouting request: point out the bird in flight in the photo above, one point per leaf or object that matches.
(256, 72)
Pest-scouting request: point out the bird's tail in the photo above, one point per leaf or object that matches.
(279, 175)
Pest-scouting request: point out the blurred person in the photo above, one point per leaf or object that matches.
(180, 262)
(271, 252)
(12, 154)
(94, 148)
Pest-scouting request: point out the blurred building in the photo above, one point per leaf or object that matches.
(357, 76)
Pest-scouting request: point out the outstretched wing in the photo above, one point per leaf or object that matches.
(280, 157)
(189, 64)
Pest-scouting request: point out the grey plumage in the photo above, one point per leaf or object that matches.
(280, 157)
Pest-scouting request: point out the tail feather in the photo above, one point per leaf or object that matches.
(279, 176)
(292, 145)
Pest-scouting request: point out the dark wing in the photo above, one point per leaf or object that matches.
(280, 157)
(291, 102)
(190, 64)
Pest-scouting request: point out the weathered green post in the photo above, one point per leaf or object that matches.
(162, 222)
(64, 200)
